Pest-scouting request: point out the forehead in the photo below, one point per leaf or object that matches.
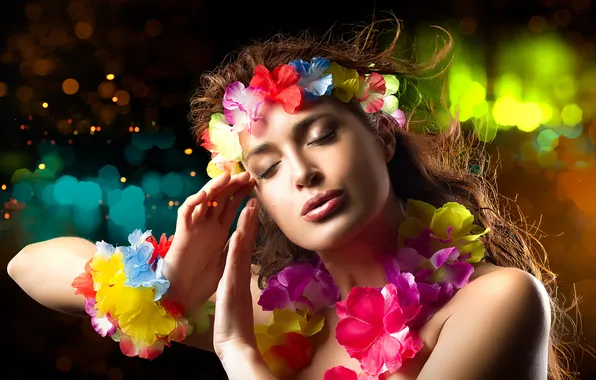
(276, 124)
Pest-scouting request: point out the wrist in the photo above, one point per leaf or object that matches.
(182, 292)
(243, 361)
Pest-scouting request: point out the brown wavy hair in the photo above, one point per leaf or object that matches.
(441, 164)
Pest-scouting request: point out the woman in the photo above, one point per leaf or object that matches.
(334, 170)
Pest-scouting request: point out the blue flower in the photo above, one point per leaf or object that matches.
(311, 77)
(139, 272)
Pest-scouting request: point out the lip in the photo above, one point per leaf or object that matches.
(313, 208)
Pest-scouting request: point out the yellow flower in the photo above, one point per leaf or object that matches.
(226, 141)
(218, 165)
(286, 321)
(451, 225)
(149, 322)
(137, 314)
(345, 82)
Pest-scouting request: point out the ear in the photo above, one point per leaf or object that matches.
(386, 139)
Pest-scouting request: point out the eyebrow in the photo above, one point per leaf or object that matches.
(296, 131)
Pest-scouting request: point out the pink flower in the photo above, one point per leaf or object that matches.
(343, 373)
(102, 325)
(299, 286)
(241, 106)
(445, 266)
(373, 330)
(371, 92)
(400, 117)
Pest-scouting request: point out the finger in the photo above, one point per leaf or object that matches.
(230, 208)
(222, 197)
(209, 188)
(241, 221)
(214, 195)
(237, 270)
(186, 209)
(252, 227)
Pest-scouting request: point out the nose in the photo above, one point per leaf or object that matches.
(306, 174)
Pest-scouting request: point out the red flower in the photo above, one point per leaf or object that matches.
(290, 356)
(161, 248)
(172, 307)
(280, 86)
(343, 373)
(83, 283)
(207, 144)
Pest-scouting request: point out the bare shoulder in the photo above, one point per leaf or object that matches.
(502, 319)
(503, 282)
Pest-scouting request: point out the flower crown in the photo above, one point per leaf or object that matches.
(289, 84)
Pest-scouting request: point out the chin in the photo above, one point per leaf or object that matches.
(335, 232)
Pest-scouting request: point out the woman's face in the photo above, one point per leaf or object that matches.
(324, 150)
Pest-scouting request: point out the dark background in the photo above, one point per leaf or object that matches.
(168, 57)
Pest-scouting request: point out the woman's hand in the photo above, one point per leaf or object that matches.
(233, 330)
(195, 261)
(234, 325)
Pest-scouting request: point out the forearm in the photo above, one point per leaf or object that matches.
(246, 363)
(45, 271)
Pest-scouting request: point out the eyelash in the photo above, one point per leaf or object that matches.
(321, 140)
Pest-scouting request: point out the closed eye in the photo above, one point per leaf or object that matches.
(327, 137)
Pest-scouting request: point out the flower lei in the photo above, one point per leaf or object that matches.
(123, 289)
(291, 85)
(437, 250)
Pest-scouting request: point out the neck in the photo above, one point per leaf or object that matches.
(358, 261)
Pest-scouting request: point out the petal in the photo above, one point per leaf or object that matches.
(127, 346)
(227, 142)
(376, 84)
(410, 260)
(422, 211)
(285, 321)
(391, 85)
(399, 116)
(443, 256)
(262, 79)
(322, 291)
(152, 351)
(291, 355)
(182, 330)
(428, 292)
(372, 104)
(314, 325)
(392, 269)
(373, 361)
(365, 303)
(321, 86)
(391, 353)
(341, 309)
(458, 274)
(290, 98)
(356, 334)
(453, 215)
(83, 284)
(340, 373)
(295, 278)
(394, 321)
(233, 95)
(285, 76)
(390, 104)
(274, 298)
(302, 67)
(237, 118)
(318, 66)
